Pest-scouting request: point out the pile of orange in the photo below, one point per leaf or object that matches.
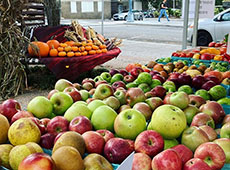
(68, 49)
(71, 49)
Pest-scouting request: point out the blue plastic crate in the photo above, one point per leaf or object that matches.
(226, 167)
(180, 58)
(227, 87)
(226, 109)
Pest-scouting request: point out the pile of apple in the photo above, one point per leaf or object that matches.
(98, 123)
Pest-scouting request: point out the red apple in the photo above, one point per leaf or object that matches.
(205, 56)
(198, 81)
(100, 82)
(51, 93)
(184, 79)
(80, 124)
(134, 95)
(196, 100)
(9, 108)
(38, 161)
(211, 133)
(144, 108)
(113, 72)
(123, 72)
(73, 92)
(212, 154)
(87, 86)
(184, 152)
(47, 140)
(106, 134)
(168, 159)
(21, 114)
(196, 164)
(167, 97)
(149, 142)
(211, 44)
(117, 84)
(214, 109)
(94, 142)
(159, 91)
(117, 149)
(129, 78)
(57, 124)
(45, 121)
(203, 119)
(136, 71)
(208, 85)
(39, 124)
(88, 80)
(213, 78)
(159, 77)
(153, 72)
(141, 161)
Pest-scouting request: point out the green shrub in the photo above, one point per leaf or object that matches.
(156, 13)
(177, 13)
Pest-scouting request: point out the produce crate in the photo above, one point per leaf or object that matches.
(49, 152)
(180, 58)
(227, 87)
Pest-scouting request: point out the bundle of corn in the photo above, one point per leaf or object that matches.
(12, 47)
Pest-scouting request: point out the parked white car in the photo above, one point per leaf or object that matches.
(138, 15)
(211, 29)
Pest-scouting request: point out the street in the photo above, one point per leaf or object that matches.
(142, 40)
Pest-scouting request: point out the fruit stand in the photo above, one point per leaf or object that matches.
(172, 113)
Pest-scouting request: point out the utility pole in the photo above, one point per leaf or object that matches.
(130, 13)
(195, 27)
(102, 17)
(185, 27)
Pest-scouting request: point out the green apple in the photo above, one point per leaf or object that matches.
(169, 121)
(95, 104)
(144, 77)
(61, 102)
(193, 136)
(106, 76)
(84, 94)
(169, 86)
(217, 92)
(155, 82)
(225, 130)
(179, 99)
(61, 84)
(169, 143)
(103, 91)
(117, 77)
(190, 112)
(186, 88)
(40, 107)
(103, 118)
(112, 102)
(120, 95)
(224, 143)
(77, 110)
(129, 123)
(79, 102)
(224, 100)
(130, 85)
(144, 87)
(97, 78)
(203, 93)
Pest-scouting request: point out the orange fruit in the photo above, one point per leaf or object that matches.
(92, 52)
(60, 48)
(74, 48)
(77, 54)
(62, 54)
(53, 52)
(70, 54)
(104, 50)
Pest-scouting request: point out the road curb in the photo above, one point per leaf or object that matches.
(148, 24)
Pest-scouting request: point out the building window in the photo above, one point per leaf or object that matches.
(73, 7)
(87, 7)
(99, 6)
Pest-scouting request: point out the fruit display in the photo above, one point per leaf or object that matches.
(217, 53)
(80, 42)
(170, 119)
